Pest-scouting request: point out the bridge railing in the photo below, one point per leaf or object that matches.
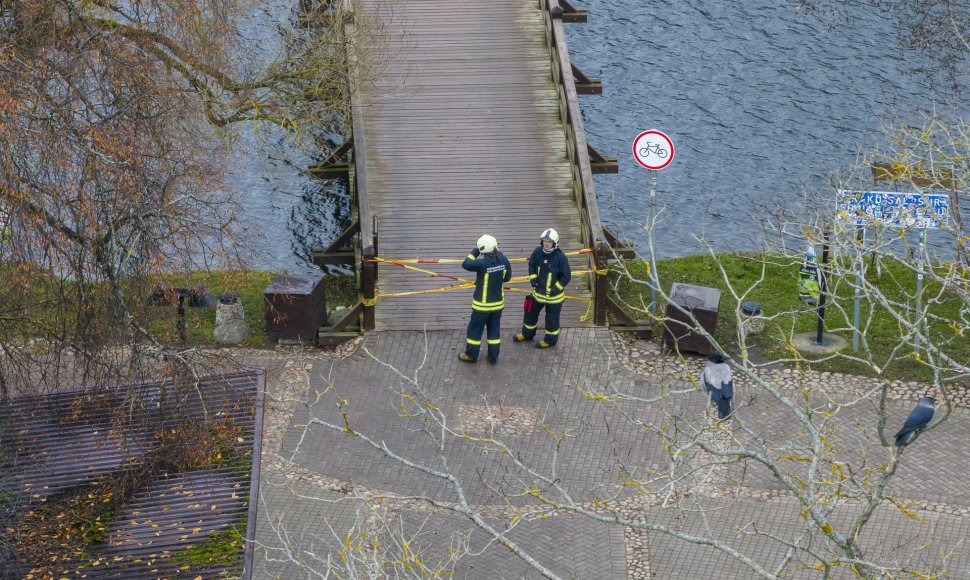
(367, 268)
(357, 245)
(577, 149)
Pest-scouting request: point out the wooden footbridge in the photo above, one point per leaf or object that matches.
(474, 128)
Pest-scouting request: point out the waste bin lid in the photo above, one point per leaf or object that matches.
(294, 284)
(691, 297)
(751, 308)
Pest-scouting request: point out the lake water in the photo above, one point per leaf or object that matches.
(284, 212)
(762, 102)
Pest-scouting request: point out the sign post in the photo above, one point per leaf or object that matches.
(926, 211)
(823, 288)
(919, 289)
(653, 150)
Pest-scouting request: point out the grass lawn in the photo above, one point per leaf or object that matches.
(48, 303)
(341, 290)
(773, 284)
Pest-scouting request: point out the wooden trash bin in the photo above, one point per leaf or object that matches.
(700, 301)
(295, 307)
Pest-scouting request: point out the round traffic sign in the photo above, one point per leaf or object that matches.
(653, 149)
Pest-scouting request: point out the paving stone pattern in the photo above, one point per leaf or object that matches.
(551, 391)
(292, 549)
(889, 533)
(547, 383)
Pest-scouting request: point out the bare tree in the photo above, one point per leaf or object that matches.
(927, 157)
(115, 123)
(937, 30)
(821, 446)
(112, 120)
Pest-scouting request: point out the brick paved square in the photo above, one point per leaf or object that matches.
(544, 405)
(500, 420)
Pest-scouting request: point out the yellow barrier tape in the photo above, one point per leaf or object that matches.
(373, 301)
(514, 280)
(465, 283)
(459, 261)
(602, 272)
(448, 289)
(431, 291)
(568, 297)
(407, 267)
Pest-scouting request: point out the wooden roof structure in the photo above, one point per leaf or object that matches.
(73, 449)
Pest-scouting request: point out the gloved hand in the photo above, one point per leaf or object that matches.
(534, 282)
(476, 252)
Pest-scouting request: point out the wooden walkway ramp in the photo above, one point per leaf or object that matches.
(463, 138)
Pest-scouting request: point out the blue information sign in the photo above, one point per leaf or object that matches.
(893, 208)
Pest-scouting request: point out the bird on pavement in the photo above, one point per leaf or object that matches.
(917, 421)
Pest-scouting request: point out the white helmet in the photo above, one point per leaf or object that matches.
(552, 236)
(487, 244)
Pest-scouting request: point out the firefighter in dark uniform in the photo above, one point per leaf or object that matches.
(548, 273)
(492, 270)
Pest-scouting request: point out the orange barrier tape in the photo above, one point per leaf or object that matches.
(465, 283)
(373, 301)
(459, 261)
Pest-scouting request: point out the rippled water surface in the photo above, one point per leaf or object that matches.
(762, 102)
(760, 99)
(284, 211)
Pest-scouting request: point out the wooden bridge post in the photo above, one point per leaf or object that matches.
(600, 305)
(368, 285)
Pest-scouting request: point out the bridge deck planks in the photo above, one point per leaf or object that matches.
(463, 138)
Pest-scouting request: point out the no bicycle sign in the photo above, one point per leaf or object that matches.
(653, 149)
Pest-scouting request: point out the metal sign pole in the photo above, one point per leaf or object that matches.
(891, 208)
(820, 311)
(857, 307)
(919, 288)
(653, 251)
(653, 150)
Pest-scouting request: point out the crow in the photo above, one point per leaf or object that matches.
(918, 419)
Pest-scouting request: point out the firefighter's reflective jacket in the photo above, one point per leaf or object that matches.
(549, 274)
(493, 270)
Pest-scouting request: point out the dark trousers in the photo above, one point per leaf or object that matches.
(479, 321)
(531, 321)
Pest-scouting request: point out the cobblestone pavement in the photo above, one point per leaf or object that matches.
(554, 410)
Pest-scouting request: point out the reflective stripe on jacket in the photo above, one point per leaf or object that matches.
(493, 270)
(551, 272)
